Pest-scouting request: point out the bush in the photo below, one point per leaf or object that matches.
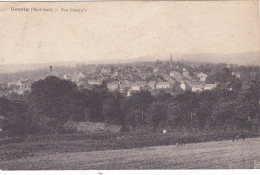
(14, 154)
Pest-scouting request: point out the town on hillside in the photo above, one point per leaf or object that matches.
(170, 76)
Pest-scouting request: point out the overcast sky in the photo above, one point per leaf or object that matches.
(126, 30)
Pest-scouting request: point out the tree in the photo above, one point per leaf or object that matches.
(92, 105)
(109, 109)
(157, 114)
(223, 112)
(73, 106)
(141, 101)
(133, 118)
(17, 117)
(47, 103)
(4, 106)
(180, 108)
(206, 99)
(246, 108)
(176, 115)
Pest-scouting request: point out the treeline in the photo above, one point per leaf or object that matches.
(53, 101)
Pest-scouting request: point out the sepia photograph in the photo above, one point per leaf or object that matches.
(130, 85)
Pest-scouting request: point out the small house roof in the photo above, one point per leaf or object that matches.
(201, 74)
(151, 82)
(113, 83)
(163, 83)
(210, 85)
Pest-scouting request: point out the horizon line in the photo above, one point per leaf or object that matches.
(136, 59)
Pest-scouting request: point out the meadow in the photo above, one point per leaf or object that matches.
(216, 154)
(127, 151)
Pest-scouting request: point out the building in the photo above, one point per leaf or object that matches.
(83, 84)
(152, 84)
(138, 85)
(160, 73)
(197, 88)
(129, 92)
(163, 85)
(144, 74)
(105, 70)
(66, 77)
(174, 73)
(115, 74)
(97, 81)
(236, 73)
(194, 86)
(77, 76)
(186, 74)
(156, 69)
(12, 83)
(169, 79)
(113, 85)
(183, 86)
(24, 85)
(126, 84)
(202, 76)
(177, 76)
(20, 91)
(210, 86)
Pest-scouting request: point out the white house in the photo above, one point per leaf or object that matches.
(236, 73)
(202, 76)
(130, 92)
(197, 88)
(95, 81)
(210, 86)
(163, 85)
(174, 73)
(113, 85)
(194, 86)
(138, 85)
(156, 69)
(183, 86)
(66, 77)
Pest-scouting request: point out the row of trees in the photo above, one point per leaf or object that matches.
(53, 101)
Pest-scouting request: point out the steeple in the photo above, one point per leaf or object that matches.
(170, 57)
(51, 69)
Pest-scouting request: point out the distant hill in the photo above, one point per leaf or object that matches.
(11, 68)
(251, 58)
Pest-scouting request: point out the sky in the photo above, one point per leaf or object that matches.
(126, 30)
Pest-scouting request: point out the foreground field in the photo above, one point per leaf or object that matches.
(217, 154)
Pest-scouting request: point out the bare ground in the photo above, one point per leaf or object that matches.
(221, 154)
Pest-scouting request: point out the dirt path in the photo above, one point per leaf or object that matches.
(222, 154)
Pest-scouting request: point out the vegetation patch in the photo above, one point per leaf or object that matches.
(85, 127)
(14, 154)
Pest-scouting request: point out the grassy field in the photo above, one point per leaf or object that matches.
(108, 152)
